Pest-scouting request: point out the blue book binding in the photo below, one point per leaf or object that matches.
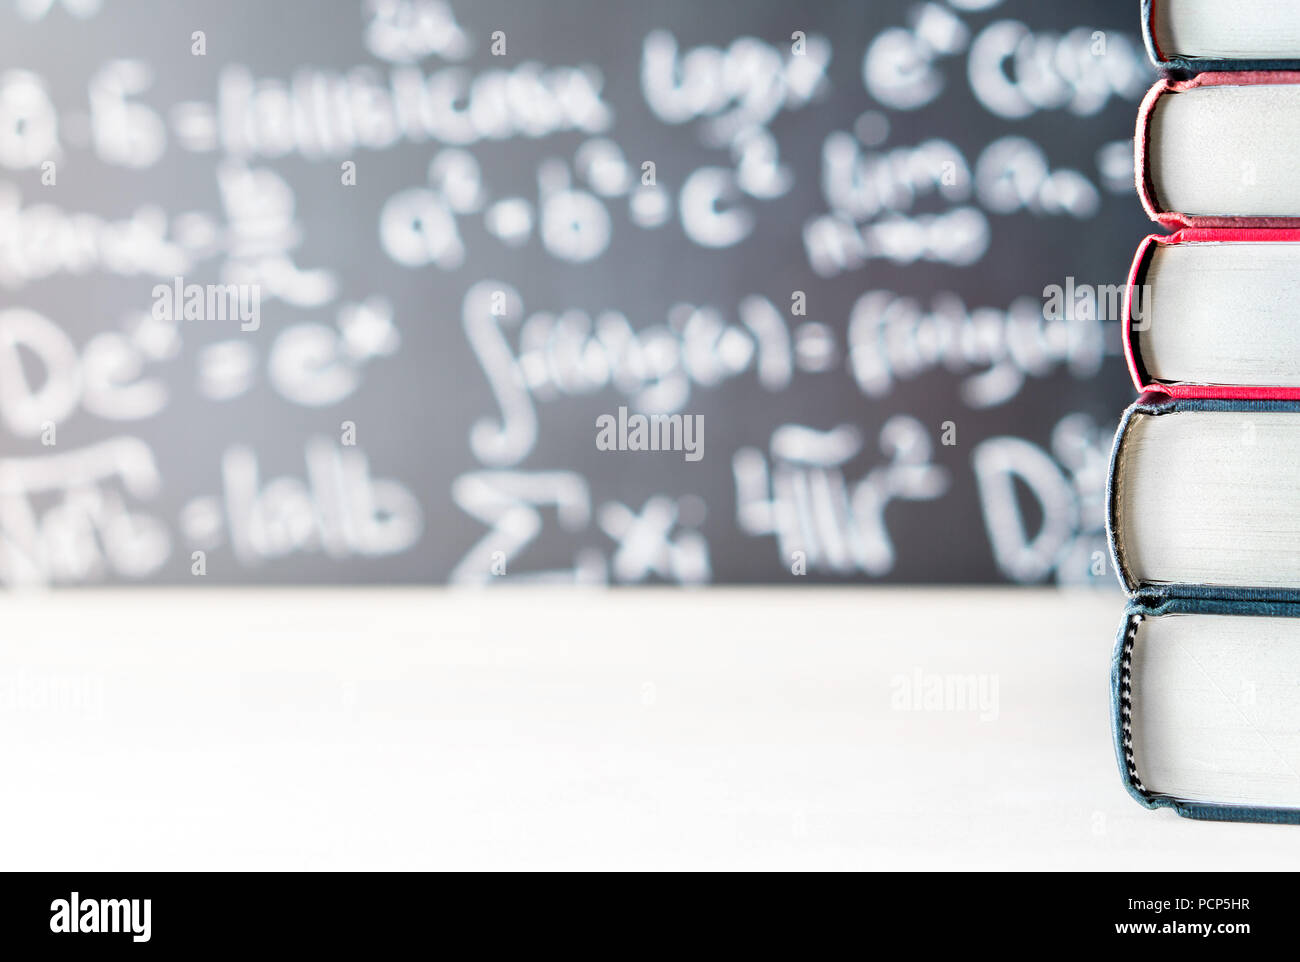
(1156, 404)
(1121, 705)
(1193, 65)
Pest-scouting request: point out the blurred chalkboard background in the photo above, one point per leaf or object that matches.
(435, 244)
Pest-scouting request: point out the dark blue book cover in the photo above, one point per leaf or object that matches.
(1122, 704)
(1157, 404)
(1193, 65)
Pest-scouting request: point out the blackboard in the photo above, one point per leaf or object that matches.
(393, 291)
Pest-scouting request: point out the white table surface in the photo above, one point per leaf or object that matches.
(561, 728)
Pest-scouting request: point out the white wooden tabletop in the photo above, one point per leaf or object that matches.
(800, 728)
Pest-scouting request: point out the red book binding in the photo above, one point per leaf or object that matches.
(1136, 276)
(1146, 190)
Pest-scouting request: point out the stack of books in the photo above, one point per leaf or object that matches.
(1204, 500)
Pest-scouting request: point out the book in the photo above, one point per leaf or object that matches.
(1218, 149)
(1210, 313)
(1200, 35)
(1203, 498)
(1206, 711)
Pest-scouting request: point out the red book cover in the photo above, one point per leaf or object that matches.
(1146, 190)
(1136, 278)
